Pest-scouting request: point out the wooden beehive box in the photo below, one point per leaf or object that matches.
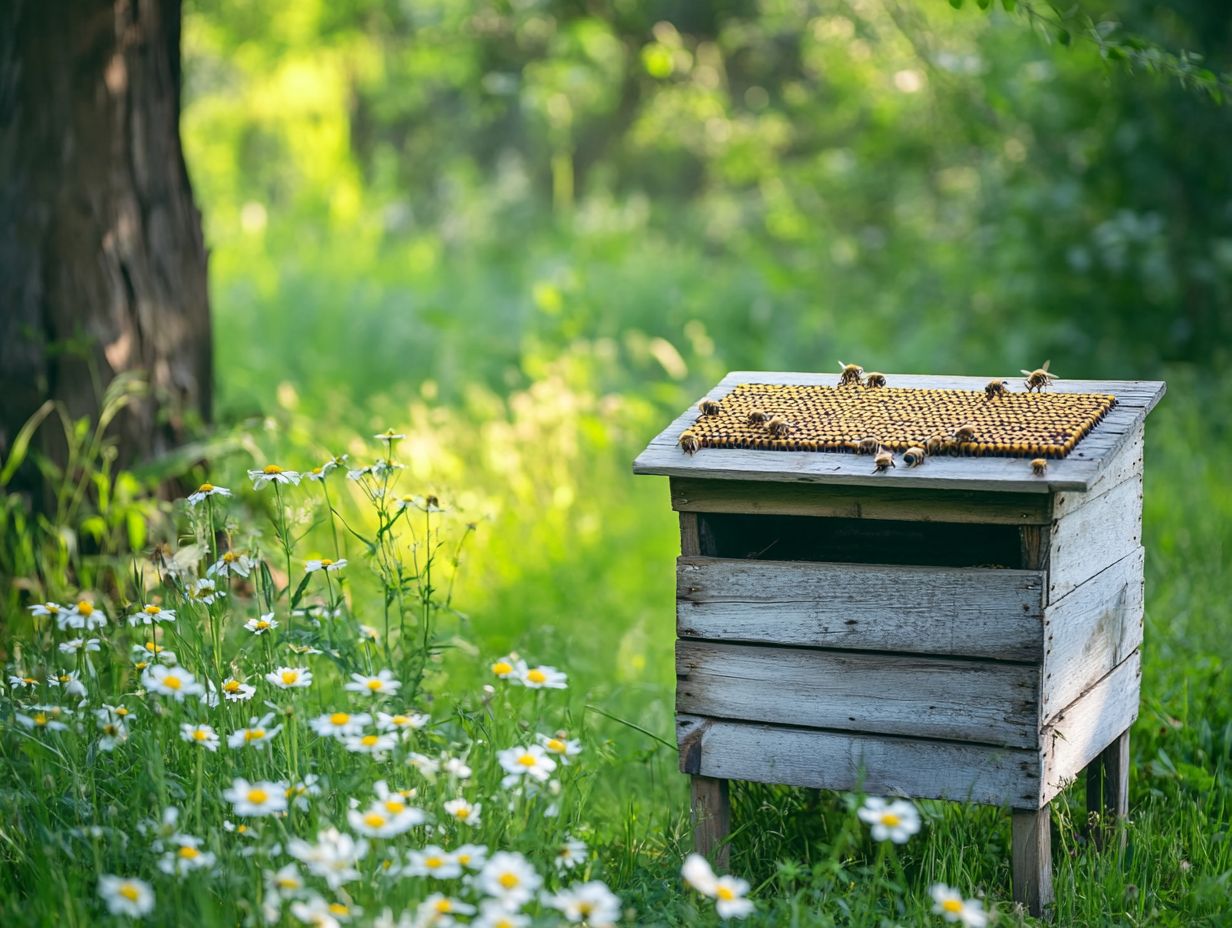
(962, 630)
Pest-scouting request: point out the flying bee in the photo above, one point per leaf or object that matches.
(875, 379)
(851, 373)
(779, 427)
(689, 442)
(868, 445)
(1039, 378)
(758, 418)
(1038, 466)
(710, 407)
(935, 445)
(913, 457)
(964, 433)
(883, 461)
(996, 388)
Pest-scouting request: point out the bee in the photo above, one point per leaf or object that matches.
(964, 433)
(875, 379)
(710, 407)
(851, 373)
(868, 445)
(757, 418)
(996, 388)
(779, 427)
(936, 444)
(1038, 466)
(1039, 378)
(883, 461)
(689, 442)
(913, 457)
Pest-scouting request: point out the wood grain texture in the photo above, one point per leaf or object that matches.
(889, 766)
(690, 534)
(1094, 536)
(1090, 631)
(1079, 471)
(851, 502)
(710, 810)
(1031, 859)
(1088, 725)
(969, 612)
(959, 700)
(1124, 464)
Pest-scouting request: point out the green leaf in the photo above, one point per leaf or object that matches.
(1009, 5)
(299, 590)
(983, 4)
(1064, 37)
(21, 443)
(956, 4)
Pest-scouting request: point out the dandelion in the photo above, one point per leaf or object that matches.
(149, 614)
(510, 878)
(570, 854)
(235, 691)
(206, 591)
(434, 862)
(231, 564)
(559, 746)
(462, 811)
(494, 914)
(204, 491)
(185, 856)
(171, 681)
(262, 625)
(256, 799)
(272, 473)
(340, 724)
(258, 733)
(950, 905)
(404, 722)
(896, 821)
(542, 677)
(325, 564)
(382, 684)
(46, 718)
(592, 903)
(531, 762)
(472, 856)
(379, 821)
(290, 678)
(201, 735)
(370, 744)
(86, 615)
(112, 725)
(126, 895)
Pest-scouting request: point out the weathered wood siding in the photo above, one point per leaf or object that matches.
(1094, 536)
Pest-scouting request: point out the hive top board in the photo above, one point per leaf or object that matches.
(1079, 437)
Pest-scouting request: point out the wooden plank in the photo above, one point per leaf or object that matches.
(1124, 464)
(1031, 859)
(1085, 541)
(1088, 725)
(889, 766)
(960, 700)
(760, 497)
(1108, 791)
(710, 810)
(690, 534)
(970, 612)
(1090, 631)
(1078, 471)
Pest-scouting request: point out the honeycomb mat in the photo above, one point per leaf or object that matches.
(825, 418)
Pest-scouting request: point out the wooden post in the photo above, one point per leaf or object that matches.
(1108, 790)
(711, 808)
(1031, 853)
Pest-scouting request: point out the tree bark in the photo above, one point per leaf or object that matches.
(102, 261)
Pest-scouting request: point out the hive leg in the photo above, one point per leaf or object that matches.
(711, 807)
(1031, 857)
(1108, 790)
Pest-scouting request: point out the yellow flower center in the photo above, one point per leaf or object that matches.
(444, 906)
(129, 891)
(121, 711)
(725, 893)
(508, 880)
(30, 681)
(374, 820)
(290, 676)
(952, 905)
(258, 797)
(109, 729)
(556, 746)
(375, 685)
(890, 820)
(316, 470)
(262, 625)
(394, 806)
(462, 812)
(241, 829)
(271, 469)
(153, 647)
(51, 607)
(172, 682)
(230, 557)
(369, 741)
(142, 665)
(85, 608)
(536, 676)
(200, 735)
(401, 720)
(254, 734)
(464, 859)
(206, 488)
(326, 562)
(152, 610)
(231, 686)
(433, 862)
(339, 718)
(288, 882)
(586, 908)
(40, 718)
(527, 760)
(189, 853)
(64, 678)
(337, 908)
(502, 668)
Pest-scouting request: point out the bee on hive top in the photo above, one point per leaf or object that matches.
(996, 388)
(779, 427)
(913, 457)
(1039, 378)
(688, 442)
(868, 445)
(757, 417)
(965, 433)
(710, 407)
(1038, 466)
(883, 461)
(851, 373)
(936, 444)
(875, 379)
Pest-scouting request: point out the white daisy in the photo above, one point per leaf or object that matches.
(326, 564)
(232, 564)
(44, 718)
(235, 691)
(285, 882)
(290, 678)
(149, 614)
(257, 735)
(455, 767)
(113, 727)
(48, 608)
(428, 767)
(185, 856)
(299, 793)
(404, 722)
(383, 684)
(541, 677)
(571, 853)
(171, 681)
(320, 913)
(261, 625)
(200, 735)
(126, 895)
(74, 645)
(950, 905)
(896, 821)
(152, 649)
(340, 724)
(729, 897)
(559, 746)
(332, 858)
(592, 903)
(205, 490)
(471, 856)
(464, 812)
(272, 473)
(86, 615)
(494, 914)
(369, 744)
(21, 680)
(698, 874)
(379, 821)
(70, 681)
(510, 878)
(531, 762)
(205, 590)
(505, 667)
(256, 799)
(434, 862)
(322, 471)
(438, 911)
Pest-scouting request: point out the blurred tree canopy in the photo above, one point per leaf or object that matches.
(957, 179)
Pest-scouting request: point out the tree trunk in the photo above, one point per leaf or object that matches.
(102, 262)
